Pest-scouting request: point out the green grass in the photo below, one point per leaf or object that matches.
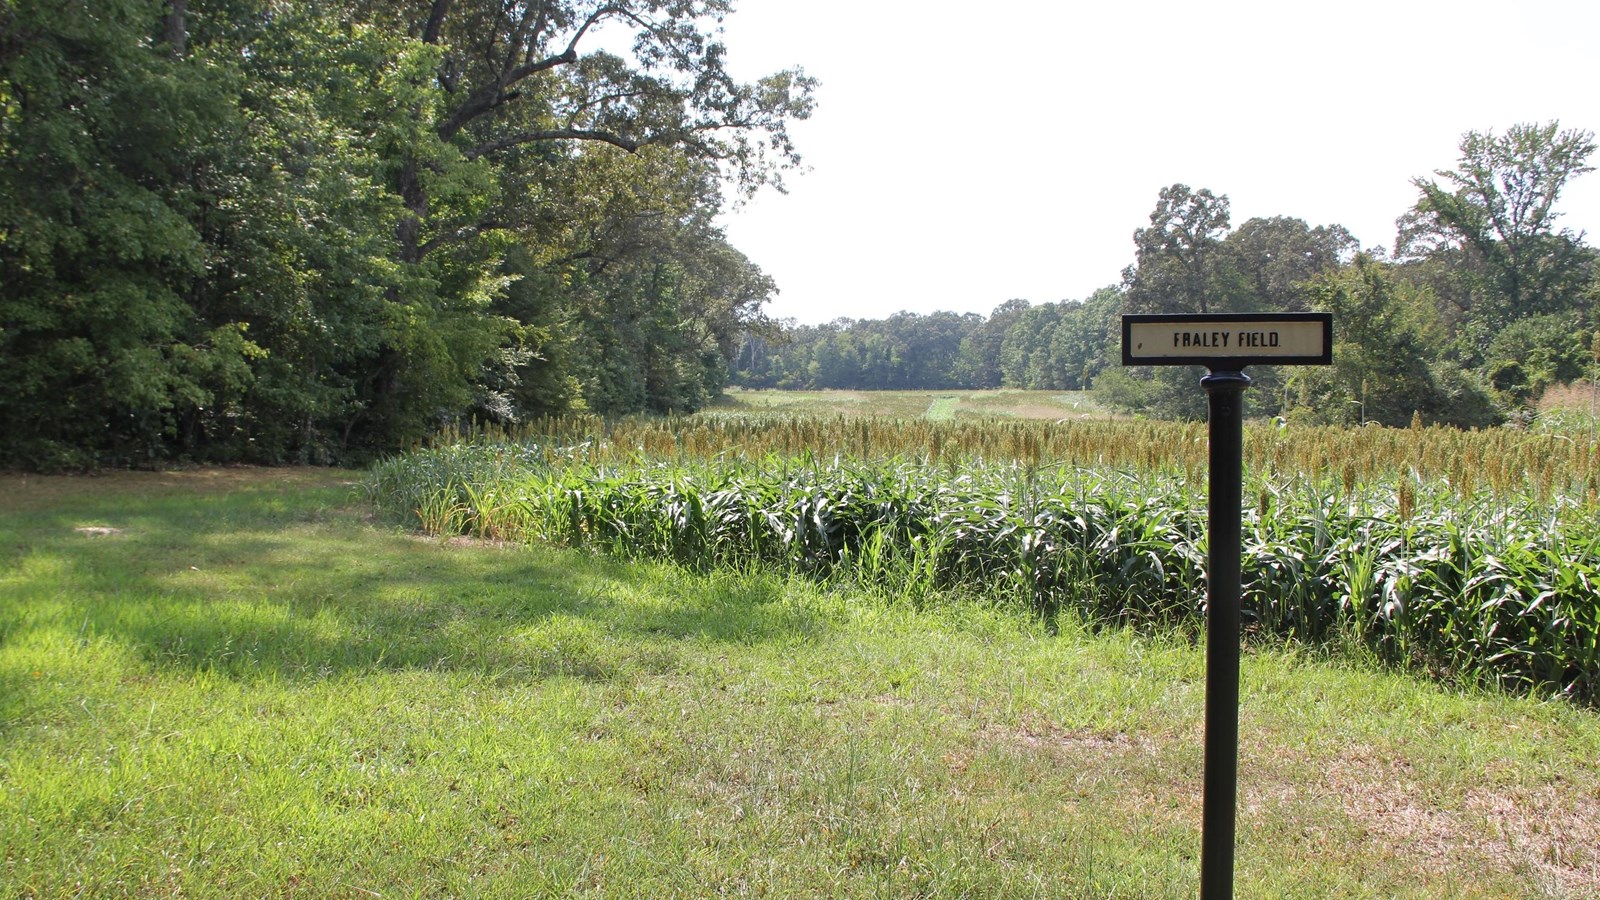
(933, 405)
(239, 686)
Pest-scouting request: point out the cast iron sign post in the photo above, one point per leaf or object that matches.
(1224, 344)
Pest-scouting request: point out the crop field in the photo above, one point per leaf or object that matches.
(1474, 557)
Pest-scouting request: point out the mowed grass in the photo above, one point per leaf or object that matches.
(935, 405)
(231, 683)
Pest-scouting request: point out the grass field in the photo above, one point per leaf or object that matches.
(934, 405)
(232, 683)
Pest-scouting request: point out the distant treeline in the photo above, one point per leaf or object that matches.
(1482, 304)
(1049, 346)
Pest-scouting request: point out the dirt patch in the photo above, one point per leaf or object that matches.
(1552, 835)
(1558, 837)
(1056, 740)
(1113, 774)
(474, 542)
(1547, 833)
(1066, 743)
(465, 540)
(97, 530)
(1578, 396)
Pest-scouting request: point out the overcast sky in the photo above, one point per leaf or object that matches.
(963, 154)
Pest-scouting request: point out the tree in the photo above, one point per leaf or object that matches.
(1381, 371)
(1179, 268)
(1268, 262)
(978, 365)
(521, 96)
(631, 296)
(1082, 342)
(516, 76)
(1176, 257)
(1498, 206)
(99, 349)
(362, 352)
(1025, 354)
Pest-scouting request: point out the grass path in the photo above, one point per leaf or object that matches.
(230, 683)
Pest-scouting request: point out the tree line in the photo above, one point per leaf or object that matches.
(1482, 303)
(313, 231)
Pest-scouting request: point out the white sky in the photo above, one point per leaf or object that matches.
(963, 154)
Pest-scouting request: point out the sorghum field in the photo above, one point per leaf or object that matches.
(1471, 556)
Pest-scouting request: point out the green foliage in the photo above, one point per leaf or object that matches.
(1188, 261)
(252, 231)
(1052, 346)
(1535, 353)
(1161, 392)
(1025, 354)
(1498, 207)
(97, 343)
(1176, 269)
(979, 362)
(1123, 389)
(1083, 343)
(1381, 371)
(1268, 264)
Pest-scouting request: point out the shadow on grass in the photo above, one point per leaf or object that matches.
(293, 583)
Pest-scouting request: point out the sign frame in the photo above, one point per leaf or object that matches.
(1229, 360)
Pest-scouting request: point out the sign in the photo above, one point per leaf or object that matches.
(1225, 344)
(1228, 341)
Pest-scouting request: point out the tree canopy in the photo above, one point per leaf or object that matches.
(1498, 209)
(243, 229)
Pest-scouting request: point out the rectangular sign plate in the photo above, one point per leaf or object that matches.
(1228, 340)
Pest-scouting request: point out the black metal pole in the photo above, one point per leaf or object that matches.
(1225, 391)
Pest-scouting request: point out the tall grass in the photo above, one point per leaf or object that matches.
(1438, 574)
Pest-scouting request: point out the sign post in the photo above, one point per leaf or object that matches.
(1224, 344)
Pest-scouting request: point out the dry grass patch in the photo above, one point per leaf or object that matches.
(1554, 833)
(1062, 743)
(1353, 803)
(1579, 396)
(1380, 804)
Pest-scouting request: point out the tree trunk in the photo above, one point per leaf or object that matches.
(175, 27)
(409, 230)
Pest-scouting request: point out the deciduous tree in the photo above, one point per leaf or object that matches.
(1268, 262)
(1176, 257)
(1498, 205)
